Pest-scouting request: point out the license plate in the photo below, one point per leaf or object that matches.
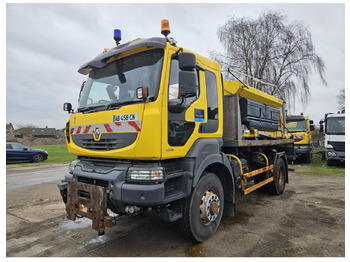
(126, 117)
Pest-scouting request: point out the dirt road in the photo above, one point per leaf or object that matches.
(307, 220)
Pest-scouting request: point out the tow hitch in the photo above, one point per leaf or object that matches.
(89, 201)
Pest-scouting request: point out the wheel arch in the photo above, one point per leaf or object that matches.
(226, 179)
(209, 158)
(222, 169)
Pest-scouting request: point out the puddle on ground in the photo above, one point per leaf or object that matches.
(241, 218)
(100, 239)
(80, 222)
(77, 224)
(195, 251)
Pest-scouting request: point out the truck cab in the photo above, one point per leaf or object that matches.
(161, 124)
(333, 126)
(300, 127)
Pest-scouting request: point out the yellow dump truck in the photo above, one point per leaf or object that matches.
(158, 129)
(300, 128)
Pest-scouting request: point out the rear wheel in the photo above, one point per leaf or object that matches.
(202, 211)
(276, 187)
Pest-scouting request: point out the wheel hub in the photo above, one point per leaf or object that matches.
(210, 207)
(280, 177)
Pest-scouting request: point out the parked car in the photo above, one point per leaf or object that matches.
(16, 152)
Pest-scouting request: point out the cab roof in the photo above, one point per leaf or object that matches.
(99, 61)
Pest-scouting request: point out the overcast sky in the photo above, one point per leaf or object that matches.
(47, 43)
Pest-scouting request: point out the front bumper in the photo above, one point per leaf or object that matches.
(301, 150)
(335, 155)
(90, 191)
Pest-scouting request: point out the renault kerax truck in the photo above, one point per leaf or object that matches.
(158, 130)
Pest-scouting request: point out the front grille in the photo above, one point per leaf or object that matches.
(103, 144)
(91, 181)
(109, 141)
(338, 146)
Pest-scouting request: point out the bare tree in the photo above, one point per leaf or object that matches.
(272, 50)
(341, 99)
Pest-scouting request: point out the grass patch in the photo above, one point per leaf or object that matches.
(57, 154)
(319, 167)
(310, 205)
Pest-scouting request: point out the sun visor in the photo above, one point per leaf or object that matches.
(98, 61)
(295, 118)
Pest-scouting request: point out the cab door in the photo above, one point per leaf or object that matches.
(184, 115)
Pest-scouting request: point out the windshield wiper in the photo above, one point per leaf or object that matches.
(84, 109)
(117, 104)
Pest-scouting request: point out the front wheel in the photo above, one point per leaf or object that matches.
(202, 211)
(307, 157)
(38, 158)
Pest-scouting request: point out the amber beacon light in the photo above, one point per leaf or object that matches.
(165, 27)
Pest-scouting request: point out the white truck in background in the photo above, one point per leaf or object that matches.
(334, 137)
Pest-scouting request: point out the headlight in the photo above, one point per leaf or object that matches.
(72, 165)
(155, 174)
(331, 153)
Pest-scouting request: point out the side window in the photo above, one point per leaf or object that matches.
(8, 146)
(174, 79)
(179, 131)
(212, 102)
(174, 83)
(17, 146)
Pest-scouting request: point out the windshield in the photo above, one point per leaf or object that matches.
(116, 83)
(335, 125)
(296, 126)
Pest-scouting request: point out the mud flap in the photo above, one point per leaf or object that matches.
(89, 201)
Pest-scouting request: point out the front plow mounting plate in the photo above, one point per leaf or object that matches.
(89, 201)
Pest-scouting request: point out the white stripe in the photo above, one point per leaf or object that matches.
(123, 127)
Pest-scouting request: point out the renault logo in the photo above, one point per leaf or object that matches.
(97, 134)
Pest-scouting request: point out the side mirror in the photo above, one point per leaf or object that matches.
(321, 128)
(311, 122)
(68, 107)
(25, 148)
(187, 61)
(187, 84)
(312, 127)
(142, 92)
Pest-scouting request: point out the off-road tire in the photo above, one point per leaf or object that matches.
(194, 221)
(276, 187)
